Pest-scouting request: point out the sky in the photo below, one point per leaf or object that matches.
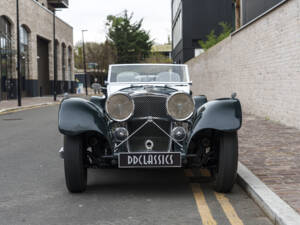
(91, 15)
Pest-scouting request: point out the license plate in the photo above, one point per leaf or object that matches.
(149, 160)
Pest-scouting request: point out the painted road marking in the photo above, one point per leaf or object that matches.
(205, 173)
(203, 209)
(228, 209)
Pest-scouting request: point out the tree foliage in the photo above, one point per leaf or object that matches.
(132, 43)
(157, 58)
(103, 54)
(212, 39)
(108, 55)
(78, 56)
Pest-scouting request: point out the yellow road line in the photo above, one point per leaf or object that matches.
(204, 211)
(205, 172)
(228, 209)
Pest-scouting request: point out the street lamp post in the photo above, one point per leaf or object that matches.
(18, 56)
(54, 60)
(84, 63)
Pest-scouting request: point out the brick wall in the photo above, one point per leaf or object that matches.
(261, 63)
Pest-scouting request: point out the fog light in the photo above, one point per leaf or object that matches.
(121, 133)
(179, 133)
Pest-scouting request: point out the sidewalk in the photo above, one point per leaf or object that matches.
(272, 152)
(26, 102)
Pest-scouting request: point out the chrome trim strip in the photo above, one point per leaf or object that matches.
(137, 130)
(149, 120)
(154, 118)
(180, 145)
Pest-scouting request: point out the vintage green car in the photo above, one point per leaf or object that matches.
(148, 118)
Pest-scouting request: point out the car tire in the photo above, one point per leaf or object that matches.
(75, 169)
(226, 173)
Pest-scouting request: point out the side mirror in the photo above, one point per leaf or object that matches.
(233, 95)
(106, 82)
(191, 83)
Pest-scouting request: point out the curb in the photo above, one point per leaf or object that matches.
(17, 109)
(273, 206)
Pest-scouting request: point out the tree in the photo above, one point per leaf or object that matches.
(108, 55)
(212, 39)
(157, 58)
(78, 56)
(103, 54)
(132, 43)
(93, 52)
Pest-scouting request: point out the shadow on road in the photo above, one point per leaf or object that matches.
(158, 182)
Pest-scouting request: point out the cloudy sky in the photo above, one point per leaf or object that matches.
(91, 15)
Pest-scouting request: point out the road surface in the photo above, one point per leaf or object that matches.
(32, 188)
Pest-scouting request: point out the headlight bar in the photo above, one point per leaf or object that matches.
(149, 120)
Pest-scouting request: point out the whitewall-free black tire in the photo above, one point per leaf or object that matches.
(75, 170)
(226, 172)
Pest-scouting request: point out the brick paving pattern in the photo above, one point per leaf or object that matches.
(272, 152)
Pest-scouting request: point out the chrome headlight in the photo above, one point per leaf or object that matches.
(180, 106)
(119, 107)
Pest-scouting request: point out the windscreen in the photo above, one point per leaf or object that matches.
(148, 73)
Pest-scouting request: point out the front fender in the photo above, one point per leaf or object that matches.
(77, 116)
(221, 115)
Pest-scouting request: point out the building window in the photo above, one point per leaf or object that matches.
(6, 84)
(24, 50)
(177, 31)
(69, 67)
(63, 64)
(175, 7)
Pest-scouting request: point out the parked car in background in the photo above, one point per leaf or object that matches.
(149, 119)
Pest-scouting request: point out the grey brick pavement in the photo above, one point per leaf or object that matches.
(272, 152)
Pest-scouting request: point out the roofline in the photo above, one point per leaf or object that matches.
(49, 11)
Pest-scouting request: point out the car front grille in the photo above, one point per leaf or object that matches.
(154, 106)
(150, 106)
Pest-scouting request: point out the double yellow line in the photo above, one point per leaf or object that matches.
(203, 208)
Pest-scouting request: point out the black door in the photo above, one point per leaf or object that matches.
(43, 67)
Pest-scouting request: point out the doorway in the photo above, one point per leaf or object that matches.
(44, 86)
